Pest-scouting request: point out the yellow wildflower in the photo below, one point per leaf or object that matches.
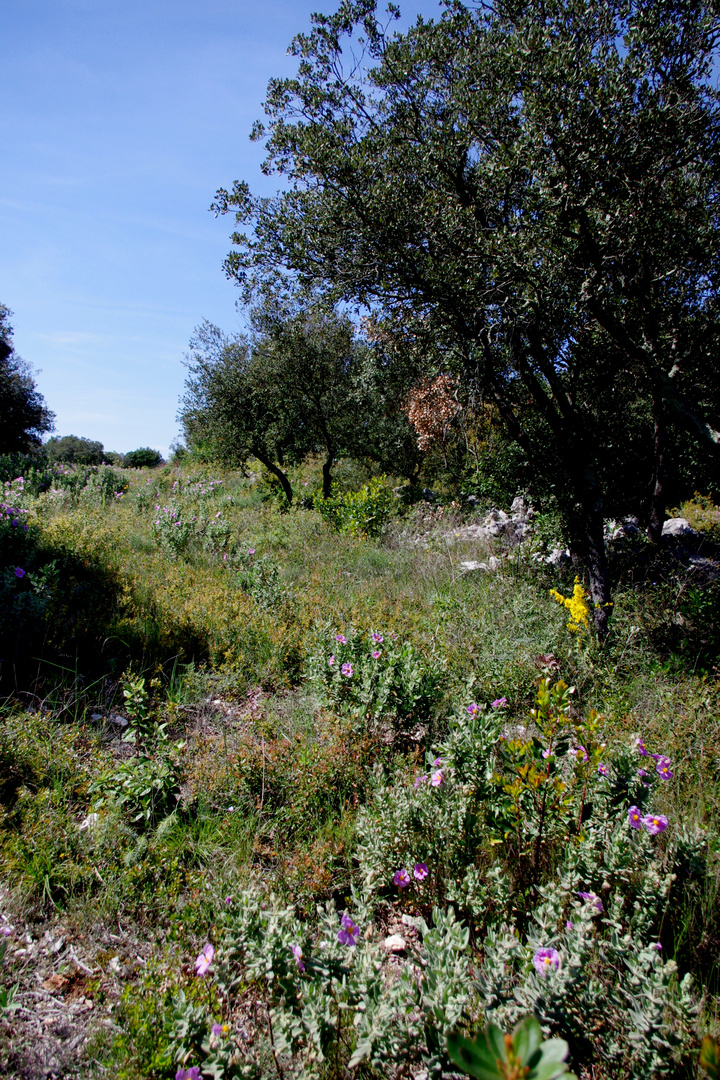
(577, 605)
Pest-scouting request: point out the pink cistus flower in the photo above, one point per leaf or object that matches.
(420, 871)
(640, 747)
(378, 639)
(641, 772)
(401, 879)
(437, 778)
(635, 818)
(251, 551)
(592, 898)
(580, 753)
(192, 1073)
(331, 661)
(663, 767)
(603, 769)
(655, 823)
(499, 703)
(297, 953)
(375, 655)
(347, 670)
(349, 932)
(19, 572)
(204, 960)
(473, 709)
(545, 961)
(341, 638)
(568, 925)
(418, 781)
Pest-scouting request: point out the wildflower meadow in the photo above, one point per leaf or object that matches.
(287, 797)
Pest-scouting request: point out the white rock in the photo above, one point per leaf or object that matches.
(677, 527)
(395, 943)
(472, 565)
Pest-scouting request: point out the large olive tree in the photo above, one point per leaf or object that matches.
(532, 186)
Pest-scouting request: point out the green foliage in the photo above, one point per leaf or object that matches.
(74, 450)
(145, 788)
(144, 458)
(364, 512)
(25, 415)
(373, 678)
(495, 1056)
(710, 1057)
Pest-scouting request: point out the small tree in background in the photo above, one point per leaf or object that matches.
(74, 450)
(25, 416)
(301, 383)
(144, 458)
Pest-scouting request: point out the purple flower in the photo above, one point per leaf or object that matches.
(591, 898)
(663, 767)
(375, 655)
(341, 638)
(418, 781)
(641, 772)
(204, 960)
(420, 871)
(251, 551)
(580, 753)
(568, 925)
(546, 960)
(349, 933)
(378, 638)
(297, 953)
(19, 572)
(437, 778)
(473, 709)
(603, 769)
(228, 899)
(437, 763)
(401, 879)
(347, 670)
(331, 661)
(188, 1074)
(499, 703)
(655, 823)
(640, 747)
(658, 946)
(635, 817)
(217, 1030)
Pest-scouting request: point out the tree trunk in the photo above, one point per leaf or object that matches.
(593, 541)
(657, 504)
(277, 473)
(327, 478)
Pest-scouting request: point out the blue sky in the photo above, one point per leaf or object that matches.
(119, 120)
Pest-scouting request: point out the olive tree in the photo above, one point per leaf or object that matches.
(532, 187)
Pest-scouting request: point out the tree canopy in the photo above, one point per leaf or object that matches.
(531, 189)
(301, 382)
(25, 416)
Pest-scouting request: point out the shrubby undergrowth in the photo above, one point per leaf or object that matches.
(381, 800)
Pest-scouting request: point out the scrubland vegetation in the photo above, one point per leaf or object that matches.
(380, 799)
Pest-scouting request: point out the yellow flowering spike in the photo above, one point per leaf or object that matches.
(577, 605)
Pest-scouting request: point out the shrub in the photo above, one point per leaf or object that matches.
(144, 458)
(74, 450)
(366, 511)
(373, 678)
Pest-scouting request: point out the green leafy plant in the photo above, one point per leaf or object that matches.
(710, 1057)
(493, 1055)
(363, 512)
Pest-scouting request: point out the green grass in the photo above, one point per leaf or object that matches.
(271, 776)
